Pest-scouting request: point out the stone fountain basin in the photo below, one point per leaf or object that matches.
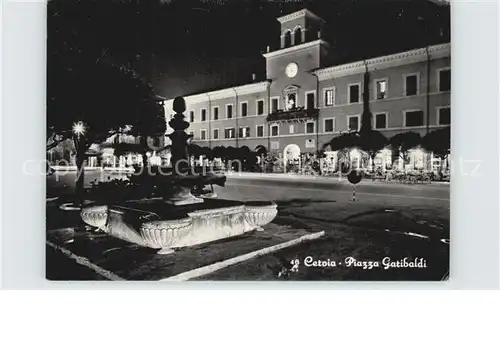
(156, 224)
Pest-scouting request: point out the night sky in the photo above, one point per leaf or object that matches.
(185, 46)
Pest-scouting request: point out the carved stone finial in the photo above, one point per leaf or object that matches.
(179, 104)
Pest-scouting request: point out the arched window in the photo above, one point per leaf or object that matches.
(298, 36)
(288, 39)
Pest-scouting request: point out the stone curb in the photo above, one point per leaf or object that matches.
(85, 262)
(198, 272)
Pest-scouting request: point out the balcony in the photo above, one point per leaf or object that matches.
(295, 115)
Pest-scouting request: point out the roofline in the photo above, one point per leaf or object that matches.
(300, 13)
(295, 48)
(398, 59)
(226, 92)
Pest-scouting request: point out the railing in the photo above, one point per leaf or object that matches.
(294, 114)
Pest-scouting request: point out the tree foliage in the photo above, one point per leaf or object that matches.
(372, 142)
(105, 97)
(438, 142)
(219, 152)
(405, 141)
(121, 149)
(345, 141)
(195, 150)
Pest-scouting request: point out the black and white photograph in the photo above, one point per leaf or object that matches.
(248, 140)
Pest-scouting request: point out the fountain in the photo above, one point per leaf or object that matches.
(178, 218)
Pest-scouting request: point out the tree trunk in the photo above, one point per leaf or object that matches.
(144, 143)
(404, 155)
(80, 176)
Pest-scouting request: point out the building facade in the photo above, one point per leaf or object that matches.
(304, 102)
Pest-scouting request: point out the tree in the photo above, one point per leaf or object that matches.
(251, 161)
(231, 153)
(195, 150)
(438, 142)
(220, 152)
(207, 152)
(243, 153)
(92, 101)
(372, 142)
(345, 141)
(403, 142)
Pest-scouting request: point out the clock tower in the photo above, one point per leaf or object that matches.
(301, 51)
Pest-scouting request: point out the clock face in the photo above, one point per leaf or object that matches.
(291, 70)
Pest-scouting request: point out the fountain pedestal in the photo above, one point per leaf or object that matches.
(182, 196)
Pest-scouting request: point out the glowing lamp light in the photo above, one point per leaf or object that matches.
(386, 152)
(355, 153)
(78, 128)
(418, 152)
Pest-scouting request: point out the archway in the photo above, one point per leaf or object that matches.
(297, 34)
(260, 153)
(291, 155)
(288, 39)
(260, 150)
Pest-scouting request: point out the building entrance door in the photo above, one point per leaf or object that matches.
(291, 156)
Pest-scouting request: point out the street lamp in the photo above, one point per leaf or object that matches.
(79, 128)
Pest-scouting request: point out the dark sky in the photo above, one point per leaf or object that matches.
(187, 46)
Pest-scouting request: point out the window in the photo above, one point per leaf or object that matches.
(353, 122)
(216, 133)
(216, 113)
(330, 97)
(274, 104)
(203, 134)
(244, 132)
(260, 107)
(274, 130)
(411, 84)
(380, 120)
(444, 79)
(354, 92)
(310, 100)
(260, 131)
(191, 116)
(291, 101)
(229, 133)
(229, 111)
(444, 116)
(203, 114)
(309, 127)
(297, 36)
(329, 125)
(414, 118)
(287, 40)
(291, 129)
(381, 89)
(244, 109)
(275, 145)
